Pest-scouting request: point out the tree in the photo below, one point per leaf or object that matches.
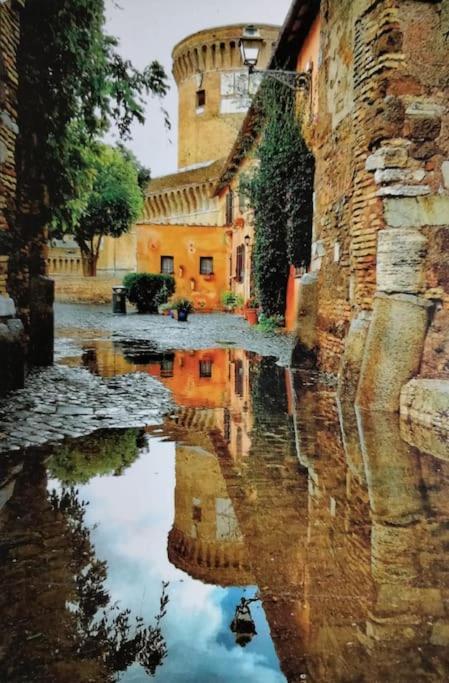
(111, 206)
(70, 71)
(103, 453)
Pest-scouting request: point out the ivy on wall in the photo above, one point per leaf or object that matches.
(280, 191)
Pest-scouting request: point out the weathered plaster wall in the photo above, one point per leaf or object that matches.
(186, 244)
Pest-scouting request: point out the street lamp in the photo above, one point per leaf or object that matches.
(247, 240)
(250, 46)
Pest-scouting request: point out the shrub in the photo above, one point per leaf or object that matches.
(270, 323)
(182, 304)
(148, 290)
(231, 301)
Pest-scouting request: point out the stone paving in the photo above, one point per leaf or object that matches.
(60, 402)
(76, 324)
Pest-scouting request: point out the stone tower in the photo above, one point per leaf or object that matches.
(214, 90)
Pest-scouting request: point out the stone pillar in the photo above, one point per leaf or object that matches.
(393, 350)
(351, 362)
(42, 292)
(305, 346)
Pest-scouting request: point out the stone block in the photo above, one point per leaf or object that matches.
(393, 599)
(400, 261)
(426, 401)
(305, 345)
(7, 307)
(351, 362)
(403, 191)
(425, 129)
(440, 634)
(393, 350)
(415, 212)
(426, 438)
(424, 109)
(387, 157)
(398, 175)
(392, 469)
(3, 152)
(445, 173)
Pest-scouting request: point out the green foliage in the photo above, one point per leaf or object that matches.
(143, 173)
(251, 303)
(182, 304)
(270, 323)
(231, 301)
(103, 631)
(281, 193)
(106, 452)
(112, 204)
(73, 83)
(147, 290)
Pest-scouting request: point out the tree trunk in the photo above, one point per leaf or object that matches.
(89, 262)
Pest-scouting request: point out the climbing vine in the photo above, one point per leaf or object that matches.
(280, 191)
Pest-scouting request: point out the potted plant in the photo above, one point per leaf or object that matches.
(164, 309)
(251, 310)
(182, 307)
(231, 301)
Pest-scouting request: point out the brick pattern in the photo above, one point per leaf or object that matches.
(382, 170)
(9, 32)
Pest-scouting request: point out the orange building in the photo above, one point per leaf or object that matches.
(194, 255)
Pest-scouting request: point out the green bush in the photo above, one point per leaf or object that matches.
(231, 301)
(270, 323)
(148, 290)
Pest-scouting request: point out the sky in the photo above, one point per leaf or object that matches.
(131, 517)
(148, 30)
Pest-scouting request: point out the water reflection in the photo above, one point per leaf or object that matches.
(314, 536)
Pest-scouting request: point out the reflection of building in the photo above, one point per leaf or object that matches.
(205, 540)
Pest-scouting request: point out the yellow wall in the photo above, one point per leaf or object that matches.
(118, 255)
(186, 244)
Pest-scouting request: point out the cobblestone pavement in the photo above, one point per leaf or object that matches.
(76, 324)
(60, 402)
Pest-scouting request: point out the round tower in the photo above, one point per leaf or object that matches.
(205, 540)
(214, 89)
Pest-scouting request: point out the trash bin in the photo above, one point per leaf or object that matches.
(119, 300)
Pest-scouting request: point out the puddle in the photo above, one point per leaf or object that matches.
(126, 555)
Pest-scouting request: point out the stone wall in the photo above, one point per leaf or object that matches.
(11, 330)
(380, 138)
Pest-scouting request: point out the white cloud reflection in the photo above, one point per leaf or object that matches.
(134, 514)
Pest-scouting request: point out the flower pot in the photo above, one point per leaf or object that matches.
(252, 315)
(182, 316)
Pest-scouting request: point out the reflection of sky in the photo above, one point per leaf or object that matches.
(134, 514)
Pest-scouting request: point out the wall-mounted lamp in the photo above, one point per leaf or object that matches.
(251, 44)
(247, 240)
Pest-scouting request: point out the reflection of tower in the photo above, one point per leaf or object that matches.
(205, 540)
(214, 90)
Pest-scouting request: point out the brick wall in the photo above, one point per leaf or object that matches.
(9, 33)
(381, 144)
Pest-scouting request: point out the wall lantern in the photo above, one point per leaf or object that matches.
(247, 240)
(251, 44)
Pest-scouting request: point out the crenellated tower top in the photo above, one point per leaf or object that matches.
(215, 90)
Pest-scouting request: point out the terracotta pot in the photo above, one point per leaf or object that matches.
(252, 315)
